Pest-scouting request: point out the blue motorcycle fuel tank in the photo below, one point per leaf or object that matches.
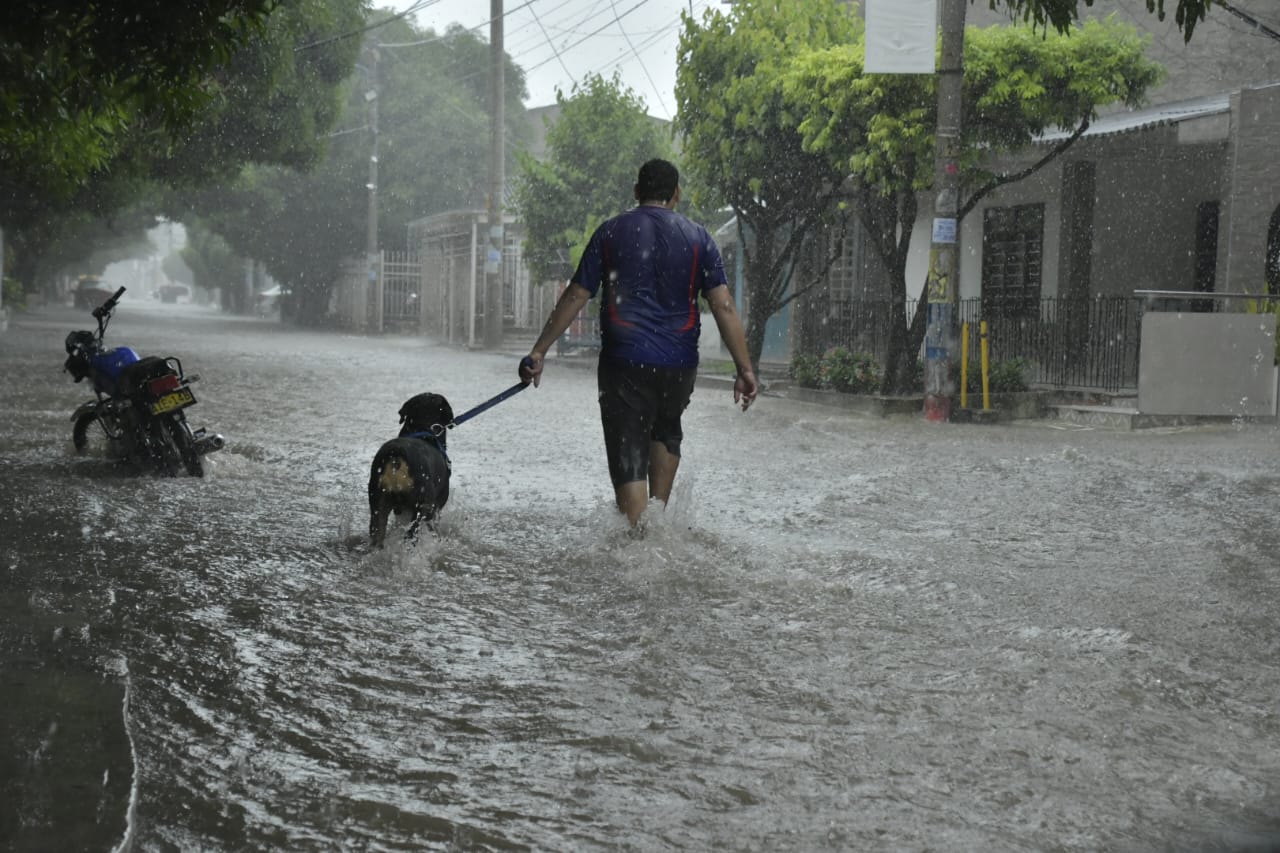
(108, 366)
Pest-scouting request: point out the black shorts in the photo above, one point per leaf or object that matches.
(640, 404)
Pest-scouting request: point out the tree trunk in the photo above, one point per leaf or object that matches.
(312, 303)
(761, 302)
(904, 347)
(755, 337)
(896, 361)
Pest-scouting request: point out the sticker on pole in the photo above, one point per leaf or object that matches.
(944, 230)
(492, 261)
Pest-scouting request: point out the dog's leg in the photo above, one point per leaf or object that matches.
(378, 525)
(411, 535)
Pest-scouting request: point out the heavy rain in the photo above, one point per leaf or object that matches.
(1045, 623)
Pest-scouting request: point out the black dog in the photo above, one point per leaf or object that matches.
(410, 474)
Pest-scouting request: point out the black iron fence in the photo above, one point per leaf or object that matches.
(1066, 343)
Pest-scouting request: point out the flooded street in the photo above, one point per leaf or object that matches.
(845, 633)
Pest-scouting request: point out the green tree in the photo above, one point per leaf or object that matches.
(741, 144)
(212, 262)
(600, 137)
(434, 125)
(879, 129)
(433, 148)
(268, 102)
(76, 77)
(1061, 15)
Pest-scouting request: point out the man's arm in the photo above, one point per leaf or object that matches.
(567, 307)
(735, 338)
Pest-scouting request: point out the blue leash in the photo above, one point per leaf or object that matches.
(492, 401)
(489, 404)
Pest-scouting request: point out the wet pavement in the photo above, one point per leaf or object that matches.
(844, 633)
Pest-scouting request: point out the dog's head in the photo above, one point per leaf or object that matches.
(422, 412)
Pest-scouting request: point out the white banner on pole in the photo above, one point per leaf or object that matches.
(902, 36)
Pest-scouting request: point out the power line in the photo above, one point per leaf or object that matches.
(480, 26)
(553, 47)
(636, 54)
(421, 4)
(617, 18)
(535, 44)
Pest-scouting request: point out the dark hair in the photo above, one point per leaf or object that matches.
(657, 181)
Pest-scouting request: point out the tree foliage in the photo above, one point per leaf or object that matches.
(213, 264)
(433, 148)
(879, 128)
(595, 147)
(1061, 15)
(740, 140)
(76, 77)
(255, 93)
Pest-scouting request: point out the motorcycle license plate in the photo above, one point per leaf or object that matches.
(179, 399)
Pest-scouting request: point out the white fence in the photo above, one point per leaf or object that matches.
(440, 289)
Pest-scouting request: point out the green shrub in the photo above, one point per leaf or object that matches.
(806, 371)
(851, 372)
(1005, 377)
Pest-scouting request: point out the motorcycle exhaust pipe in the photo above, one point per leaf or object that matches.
(209, 443)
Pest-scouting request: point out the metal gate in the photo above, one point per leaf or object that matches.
(402, 292)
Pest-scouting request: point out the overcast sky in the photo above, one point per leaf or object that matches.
(556, 42)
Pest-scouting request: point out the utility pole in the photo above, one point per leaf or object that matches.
(497, 179)
(371, 238)
(943, 281)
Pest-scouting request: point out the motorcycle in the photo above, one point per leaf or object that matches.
(140, 402)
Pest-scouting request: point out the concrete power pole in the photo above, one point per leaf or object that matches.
(944, 268)
(371, 238)
(497, 179)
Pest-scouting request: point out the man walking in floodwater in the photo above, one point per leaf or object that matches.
(652, 264)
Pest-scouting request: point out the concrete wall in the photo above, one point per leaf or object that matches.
(1253, 176)
(1144, 232)
(1207, 364)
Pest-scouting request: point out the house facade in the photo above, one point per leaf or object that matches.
(1181, 195)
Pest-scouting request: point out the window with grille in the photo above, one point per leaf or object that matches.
(1012, 240)
(844, 277)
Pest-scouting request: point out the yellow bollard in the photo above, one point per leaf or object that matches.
(964, 365)
(986, 374)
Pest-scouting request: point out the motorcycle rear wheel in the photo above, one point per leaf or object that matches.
(184, 442)
(161, 447)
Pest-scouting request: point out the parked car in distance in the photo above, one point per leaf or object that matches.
(91, 291)
(268, 301)
(174, 292)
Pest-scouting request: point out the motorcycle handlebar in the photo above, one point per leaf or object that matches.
(106, 307)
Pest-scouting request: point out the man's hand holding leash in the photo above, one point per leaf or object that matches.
(531, 369)
(745, 389)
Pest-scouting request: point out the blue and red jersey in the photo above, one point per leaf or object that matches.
(652, 264)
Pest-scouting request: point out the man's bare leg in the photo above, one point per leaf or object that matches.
(662, 471)
(632, 499)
